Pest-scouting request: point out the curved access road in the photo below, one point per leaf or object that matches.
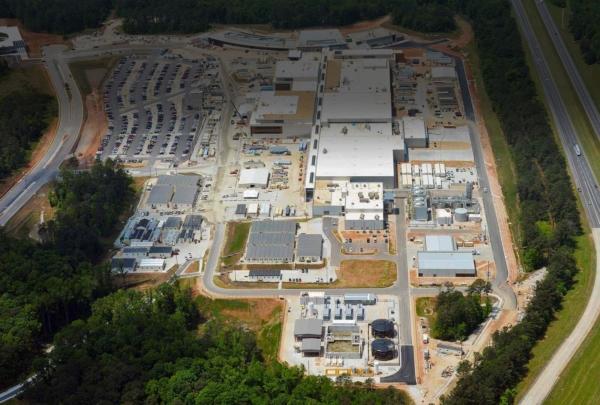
(70, 106)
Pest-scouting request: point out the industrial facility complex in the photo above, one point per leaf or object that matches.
(339, 170)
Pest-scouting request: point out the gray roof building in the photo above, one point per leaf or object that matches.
(192, 222)
(309, 246)
(160, 194)
(308, 328)
(240, 209)
(271, 241)
(135, 251)
(446, 264)
(310, 345)
(179, 180)
(160, 250)
(185, 195)
(439, 243)
(123, 264)
(264, 273)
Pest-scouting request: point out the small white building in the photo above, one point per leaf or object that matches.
(254, 178)
(150, 265)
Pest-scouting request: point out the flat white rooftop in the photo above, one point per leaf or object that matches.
(364, 150)
(305, 68)
(269, 104)
(414, 128)
(356, 107)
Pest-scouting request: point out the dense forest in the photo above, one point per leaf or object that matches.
(188, 16)
(156, 348)
(458, 314)
(43, 288)
(424, 15)
(57, 16)
(24, 115)
(584, 24)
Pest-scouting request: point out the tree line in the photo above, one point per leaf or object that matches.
(24, 115)
(189, 16)
(584, 24)
(45, 286)
(157, 347)
(548, 213)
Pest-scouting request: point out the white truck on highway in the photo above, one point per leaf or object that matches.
(577, 150)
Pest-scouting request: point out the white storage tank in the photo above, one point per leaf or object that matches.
(461, 215)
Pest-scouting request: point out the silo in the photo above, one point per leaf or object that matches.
(461, 215)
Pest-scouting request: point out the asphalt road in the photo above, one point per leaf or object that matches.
(70, 106)
(578, 84)
(580, 169)
(590, 195)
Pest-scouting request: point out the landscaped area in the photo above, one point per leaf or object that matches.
(236, 236)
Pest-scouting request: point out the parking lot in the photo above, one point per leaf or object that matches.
(156, 104)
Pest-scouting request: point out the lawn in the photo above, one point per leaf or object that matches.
(578, 383)
(589, 73)
(237, 234)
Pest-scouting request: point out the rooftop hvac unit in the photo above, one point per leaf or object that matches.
(377, 217)
(362, 216)
(345, 130)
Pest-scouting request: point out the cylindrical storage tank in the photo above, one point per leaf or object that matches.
(461, 215)
(383, 349)
(382, 328)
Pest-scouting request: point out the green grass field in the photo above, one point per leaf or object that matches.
(589, 73)
(237, 234)
(579, 382)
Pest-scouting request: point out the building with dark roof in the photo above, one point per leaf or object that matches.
(271, 242)
(123, 264)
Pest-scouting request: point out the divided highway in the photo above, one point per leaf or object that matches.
(586, 100)
(590, 195)
(70, 106)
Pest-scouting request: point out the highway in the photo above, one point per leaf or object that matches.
(584, 96)
(70, 106)
(585, 181)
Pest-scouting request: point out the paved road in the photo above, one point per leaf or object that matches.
(70, 121)
(578, 84)
(14, 391)
(590, 195)
(500, 282)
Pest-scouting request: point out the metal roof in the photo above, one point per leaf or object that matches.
(311, 327)
(264, 273)
(274, 238)
(160, 250)
(446, 263)
(123, 262)
(240, 209)
(309, 245)
(134, 250)
(152, 263)
(271, 241)
(160, 194)
(439, 243)
(310, 345)
(270, 253)
(273, 226)
(172, 223)
(184, 194)
(179, 180)
(192, 221)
